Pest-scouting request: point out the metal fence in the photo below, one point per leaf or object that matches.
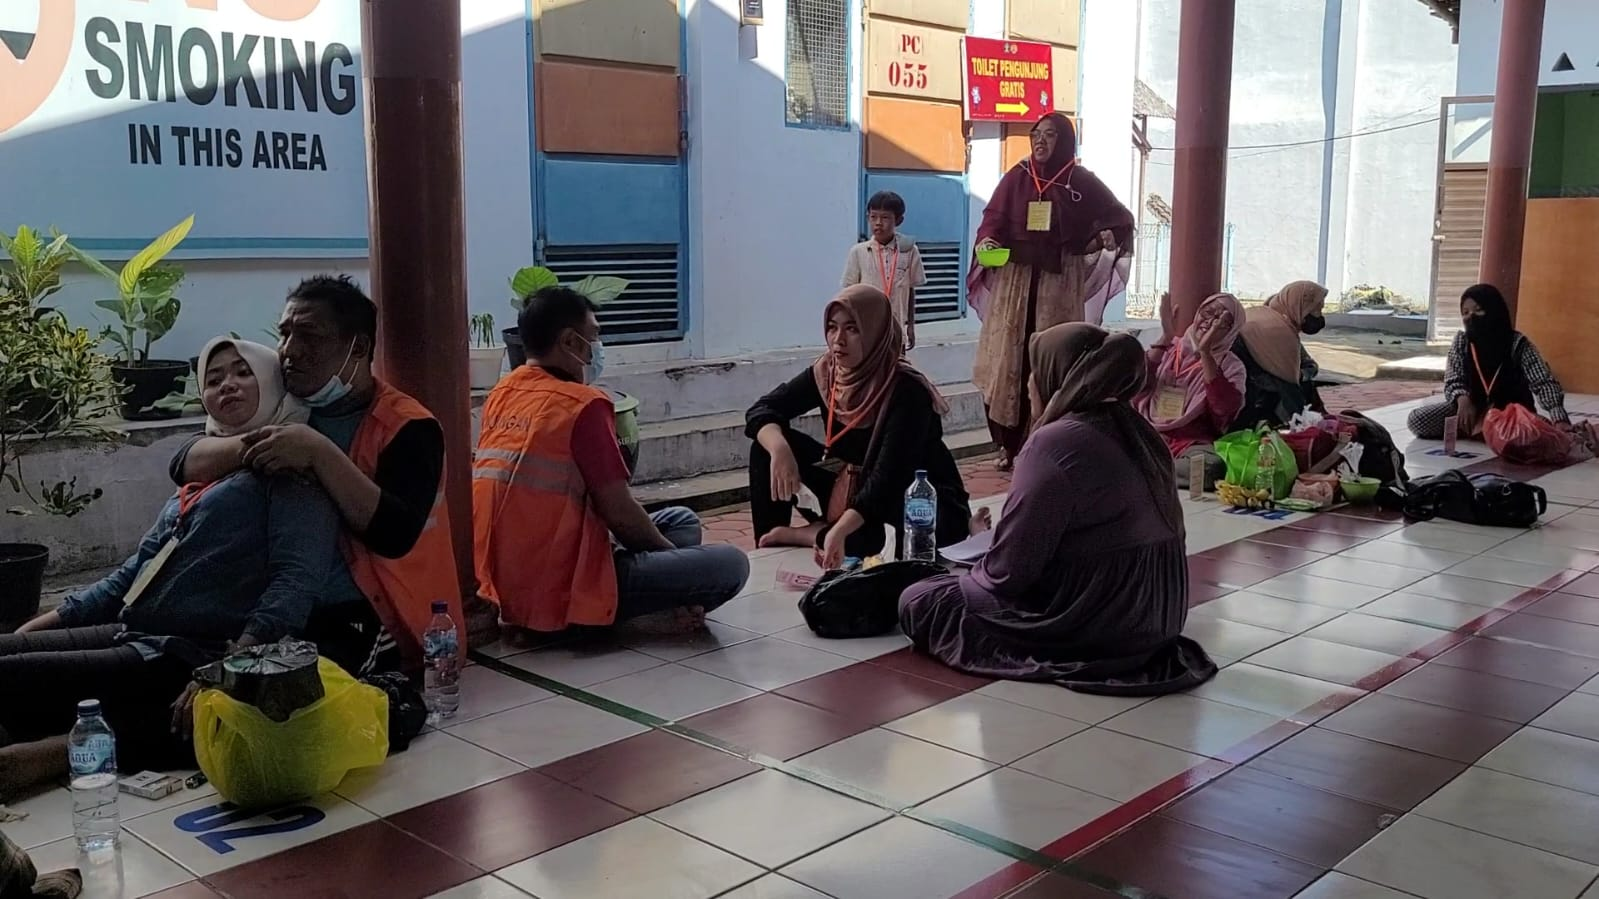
(1151, 273)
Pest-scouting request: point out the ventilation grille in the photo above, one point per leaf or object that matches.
(816, 63)
(940, 298)
(650, 309)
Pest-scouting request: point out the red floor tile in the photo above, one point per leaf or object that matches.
(1566, 607)
(1475, 692)
(870, 694)
(1522, 662)
(1373, 513)
(1315, 541)
(1058, 886)
(1298, 821)
(509, 820)
(376, 859)
(1435, 730)
(1228, 575)
(1179, 860)
(1266, 555)
(910, 661)
(1374, 773)
(649, 771)
(194, 889)
(1582, 639)
(1587, 585)
(775, 725)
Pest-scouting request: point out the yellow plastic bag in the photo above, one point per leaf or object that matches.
(254, 761)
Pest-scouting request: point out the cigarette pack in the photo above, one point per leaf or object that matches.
(150, 785)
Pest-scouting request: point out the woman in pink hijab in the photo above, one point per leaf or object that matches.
(1195, 386)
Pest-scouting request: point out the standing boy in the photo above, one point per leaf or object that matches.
(888, 261)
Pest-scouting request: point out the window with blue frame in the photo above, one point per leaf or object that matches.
(816, 63)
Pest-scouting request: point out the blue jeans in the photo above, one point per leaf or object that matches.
(691, 575)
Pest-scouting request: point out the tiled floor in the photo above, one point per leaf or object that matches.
(1403, 711)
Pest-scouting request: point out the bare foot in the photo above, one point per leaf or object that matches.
(1004, 462)
(982, 521)
(805, 536)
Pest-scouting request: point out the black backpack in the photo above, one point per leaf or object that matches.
(863, 602)
(1382, 459)
(1485, 499)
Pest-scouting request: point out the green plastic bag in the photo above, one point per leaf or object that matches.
(1241, 451)
(254, 761)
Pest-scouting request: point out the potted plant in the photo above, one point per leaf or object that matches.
(600, 289)
(146, 308)
(54, 384)
(485, 353)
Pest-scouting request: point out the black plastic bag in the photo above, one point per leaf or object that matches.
(863, 602)
(1484, 499)
(408, 713)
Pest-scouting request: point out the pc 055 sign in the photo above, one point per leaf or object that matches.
(120, 117)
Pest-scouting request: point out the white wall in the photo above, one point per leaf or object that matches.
(1355, 210)
(1109, 68)
(772, 209)
(1570, 27)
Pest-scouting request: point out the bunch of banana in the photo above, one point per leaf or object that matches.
(1234, 495)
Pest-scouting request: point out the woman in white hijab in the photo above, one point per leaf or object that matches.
(236, 562)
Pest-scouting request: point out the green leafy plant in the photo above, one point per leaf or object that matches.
(54, 381)
(482, 328)
(601, 289)
(146, 305)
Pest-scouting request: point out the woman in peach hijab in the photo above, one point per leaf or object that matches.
(1279, 374)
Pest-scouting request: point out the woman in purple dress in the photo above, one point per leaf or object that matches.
(1087, 581)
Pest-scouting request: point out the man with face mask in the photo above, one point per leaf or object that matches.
(379, 454)
(558, 537)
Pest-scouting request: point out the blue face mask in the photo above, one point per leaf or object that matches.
(593, 368)
(335, 389)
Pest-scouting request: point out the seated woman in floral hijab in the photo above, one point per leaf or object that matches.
(1196, 383)
(1086, 584)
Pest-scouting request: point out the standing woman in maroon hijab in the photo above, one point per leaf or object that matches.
(1070, 243)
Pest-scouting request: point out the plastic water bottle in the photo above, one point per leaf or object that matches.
(1266, 468)
(921, 520)
(92, 755)
(440, 651)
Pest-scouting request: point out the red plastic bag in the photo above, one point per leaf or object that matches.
(1518, 434)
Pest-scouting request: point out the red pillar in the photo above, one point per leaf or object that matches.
(412, 51)
(1199, 183)
(1510, 153)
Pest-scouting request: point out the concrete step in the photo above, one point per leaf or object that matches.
(685, 448)
(1416, 368)
(730, 488)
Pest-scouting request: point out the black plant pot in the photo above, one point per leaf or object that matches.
(21, 582)
(513, 347)
(146, 382)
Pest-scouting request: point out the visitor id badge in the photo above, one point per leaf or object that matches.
(148, 572)
(1038, 215)
(1169, 404)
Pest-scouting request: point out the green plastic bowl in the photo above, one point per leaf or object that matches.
(993, 258)
(1360, 491)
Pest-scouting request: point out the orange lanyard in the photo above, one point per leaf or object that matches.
(189, 495)
(1177, 364)
(1487, 385)
(1046, 185)
(888, 274)
(828, 436)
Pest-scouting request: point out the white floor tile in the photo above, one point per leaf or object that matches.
(1321, 591)
(986, 727)
(1265, 611)
(1384, 635)
(1430, 610)
(1541, 815)
(861, 649)
(1406, 556)
(583, 666)
(1436, 861)
(1488, 594)
(1193, 725)
(677, 647)
(1357, 571)
(1109, 764)
(898, 859)
(483, 888)
(899, 769)
(1577, 714)
(1273, 692)
(1020, 807)
(1549, 757)
(49, 814)
(1085, 707)
(673, 692)
(1334, 885)
(1323, 660)
(768, 663)
(435, 766)
(774, 886)
(1449, 539)
(1534, 551)
(637, 859)
(770, 818)
(182, 834)
(1504, 571)
(1230, 639)
(546, 731)
(133, 869)
(485, 692)
(763, 613)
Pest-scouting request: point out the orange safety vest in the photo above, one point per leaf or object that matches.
(402, 590)
(542, 552)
